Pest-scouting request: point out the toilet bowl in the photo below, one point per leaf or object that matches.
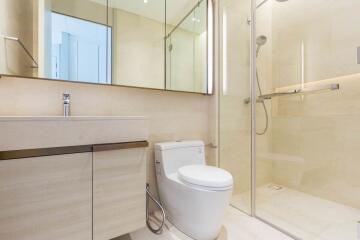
(194, 196)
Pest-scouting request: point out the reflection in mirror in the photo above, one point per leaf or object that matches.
(118, 42)
(138, 42)
(55, 39)
(78, 40)
(187, 46)
(18, 24)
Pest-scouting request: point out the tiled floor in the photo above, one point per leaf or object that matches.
(305, 216)
(237, 226)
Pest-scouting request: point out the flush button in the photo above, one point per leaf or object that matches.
(158, 168)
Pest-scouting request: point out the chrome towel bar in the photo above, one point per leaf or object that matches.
(305, 90)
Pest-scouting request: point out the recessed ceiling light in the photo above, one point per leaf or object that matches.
(146, 1)
(194, 19)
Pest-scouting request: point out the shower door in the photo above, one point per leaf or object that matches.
(301, 158)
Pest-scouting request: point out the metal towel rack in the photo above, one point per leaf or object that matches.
(22, 45)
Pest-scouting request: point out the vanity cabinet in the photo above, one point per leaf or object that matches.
(43, 198)
(96, 195)
(74, 178)
(119, 192)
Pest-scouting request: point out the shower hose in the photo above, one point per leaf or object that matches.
(264, 107)
(148, 197)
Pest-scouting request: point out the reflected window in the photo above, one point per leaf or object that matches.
(80, 50)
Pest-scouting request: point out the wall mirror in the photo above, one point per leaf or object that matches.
(157, 44)
(189, 47)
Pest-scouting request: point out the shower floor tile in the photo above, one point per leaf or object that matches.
(237, 226)
(303, 215)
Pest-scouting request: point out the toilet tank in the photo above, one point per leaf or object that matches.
(170, 156)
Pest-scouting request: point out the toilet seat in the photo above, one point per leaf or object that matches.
(207, 177)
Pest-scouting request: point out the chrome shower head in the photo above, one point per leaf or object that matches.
(260, 41)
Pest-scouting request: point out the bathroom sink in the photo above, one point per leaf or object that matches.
(53, 131)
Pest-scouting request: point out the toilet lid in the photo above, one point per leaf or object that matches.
(206, 176)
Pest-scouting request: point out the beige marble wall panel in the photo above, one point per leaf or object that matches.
(322, 130)
(328, 35)
(138, 51)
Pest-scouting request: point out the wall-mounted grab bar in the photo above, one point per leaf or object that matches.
(305, 90)
(22, 45)
(312, 89)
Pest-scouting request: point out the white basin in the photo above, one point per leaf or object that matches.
(46, 132)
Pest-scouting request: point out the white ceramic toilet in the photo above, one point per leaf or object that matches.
(195, 196)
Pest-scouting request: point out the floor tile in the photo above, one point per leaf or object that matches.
(237, 226)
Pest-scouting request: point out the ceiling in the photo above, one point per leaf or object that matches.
(154, 9)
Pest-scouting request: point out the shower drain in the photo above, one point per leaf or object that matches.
(274, 187)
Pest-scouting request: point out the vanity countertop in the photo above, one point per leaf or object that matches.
(30, 132)
(71, 118)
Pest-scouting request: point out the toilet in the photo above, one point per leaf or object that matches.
(194, 196)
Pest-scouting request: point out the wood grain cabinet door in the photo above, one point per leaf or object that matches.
(46, 198)
(119, 192)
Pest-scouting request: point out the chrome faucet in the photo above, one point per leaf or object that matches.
(66, 98)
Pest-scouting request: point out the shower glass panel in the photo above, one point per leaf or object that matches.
(234, 114)
(307, 164)
(307, 84)
(186, 49)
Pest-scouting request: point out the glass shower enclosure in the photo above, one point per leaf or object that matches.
(289, 108)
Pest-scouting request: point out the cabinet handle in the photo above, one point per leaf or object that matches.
(117, 146)
(42, 152)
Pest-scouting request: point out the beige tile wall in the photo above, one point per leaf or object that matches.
(138, 50)
(314, 139)
(329, 35)
(317, 138)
